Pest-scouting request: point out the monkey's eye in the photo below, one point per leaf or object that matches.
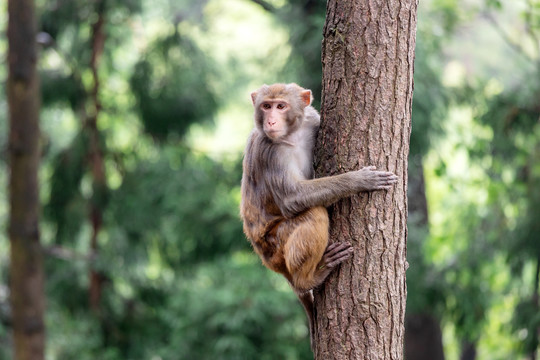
(266, 106)
(281, 106)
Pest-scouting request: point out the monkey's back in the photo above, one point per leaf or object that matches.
(260, 213)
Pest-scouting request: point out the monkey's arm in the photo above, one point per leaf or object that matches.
(305, 194)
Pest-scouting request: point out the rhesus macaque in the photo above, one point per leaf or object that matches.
(283, 208)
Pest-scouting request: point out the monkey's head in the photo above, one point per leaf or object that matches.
(279, 109)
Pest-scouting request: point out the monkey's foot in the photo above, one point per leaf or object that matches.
(335, 254)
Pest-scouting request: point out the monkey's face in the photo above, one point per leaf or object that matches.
(279, 109)
(274, 118)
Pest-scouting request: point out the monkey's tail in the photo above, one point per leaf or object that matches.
(306, 298)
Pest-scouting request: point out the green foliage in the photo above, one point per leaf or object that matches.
(527, 320)
(68, 28)
(305, 40)
(496, 4)
(426, 292)
(187, 203)
(76, 335)
(525, 246)
(5, 351)
(66, 206)
(515, 153)
(178, 278)
(171, 84)
(170, 275)
(59, 88)
(241, 311)
(447, 13)
(431, 99)
(512, 116)
(61, 17)
(230, 308)
(508, 152)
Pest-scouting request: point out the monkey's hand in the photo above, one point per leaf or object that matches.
(368, 179)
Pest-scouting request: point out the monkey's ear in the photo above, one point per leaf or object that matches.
(306, 97)
(253, 97)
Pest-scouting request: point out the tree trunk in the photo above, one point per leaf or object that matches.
(468, 350)
(423, 337)
(368, 56)
(26, 270)
(95, 156)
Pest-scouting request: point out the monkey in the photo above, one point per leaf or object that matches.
(283, 208)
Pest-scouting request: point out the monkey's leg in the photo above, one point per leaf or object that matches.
(305, 247)
(307, 255)
(307, 276)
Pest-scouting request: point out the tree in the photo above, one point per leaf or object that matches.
(26, 270)
(367, 55)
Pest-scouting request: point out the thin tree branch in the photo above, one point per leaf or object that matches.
(507, 39)
(530, 29)
(95, 152)
(63, 253)
(265, 5)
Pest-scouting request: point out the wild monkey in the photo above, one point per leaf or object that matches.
(283, 208)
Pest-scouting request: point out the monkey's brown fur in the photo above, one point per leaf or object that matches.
(283, 208)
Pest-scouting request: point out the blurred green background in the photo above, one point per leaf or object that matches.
(177, 278)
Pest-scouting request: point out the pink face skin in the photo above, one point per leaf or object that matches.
(272, 112)
(274, 119)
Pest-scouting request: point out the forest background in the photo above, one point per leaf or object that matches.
(149, 261)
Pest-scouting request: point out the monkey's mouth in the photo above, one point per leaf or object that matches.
(274, 134)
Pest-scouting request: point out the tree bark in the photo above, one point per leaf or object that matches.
(26, 266)
(368, 56)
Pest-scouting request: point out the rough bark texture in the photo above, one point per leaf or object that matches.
(368, 56)
(26, 270)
